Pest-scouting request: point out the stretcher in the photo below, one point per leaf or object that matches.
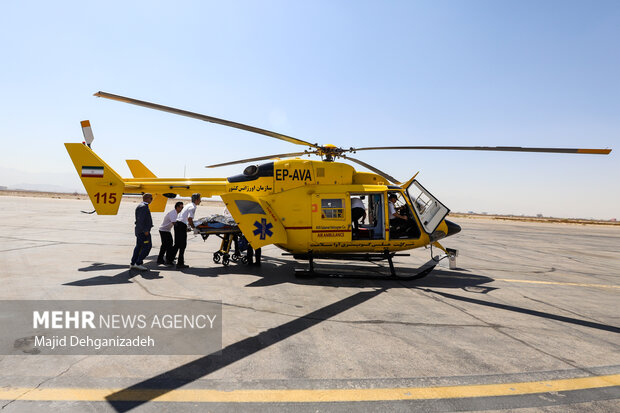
(226, 229)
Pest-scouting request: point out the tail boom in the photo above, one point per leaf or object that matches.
(105, 187)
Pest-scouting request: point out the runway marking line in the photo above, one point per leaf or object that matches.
(310, 395)
(558, 283)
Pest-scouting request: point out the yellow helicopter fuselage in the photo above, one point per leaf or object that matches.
(312, 201)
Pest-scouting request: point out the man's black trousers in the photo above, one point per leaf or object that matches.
(180, 241)
(167, 247)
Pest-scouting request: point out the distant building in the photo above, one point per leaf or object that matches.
(613, 220)
(539, 215)
(3, 188)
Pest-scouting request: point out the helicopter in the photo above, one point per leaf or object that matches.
(303, 206)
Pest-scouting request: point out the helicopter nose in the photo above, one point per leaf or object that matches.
(452, 228)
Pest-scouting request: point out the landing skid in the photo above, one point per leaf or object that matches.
(309, 272)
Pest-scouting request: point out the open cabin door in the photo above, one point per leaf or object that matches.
(256, 219)
(430, 211)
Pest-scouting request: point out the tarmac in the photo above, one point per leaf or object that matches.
(529, 321)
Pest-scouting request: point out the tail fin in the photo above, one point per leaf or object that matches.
(104, 186)
(139, 170)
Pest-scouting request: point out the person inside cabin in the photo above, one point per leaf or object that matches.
(357, 211)
(398, 222)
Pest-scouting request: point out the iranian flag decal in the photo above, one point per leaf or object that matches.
(92, 172)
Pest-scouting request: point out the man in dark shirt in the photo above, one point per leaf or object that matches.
(144, 223)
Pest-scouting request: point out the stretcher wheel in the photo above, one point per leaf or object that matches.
(217, 257)
(235, 257)
(244, 260)
(225, 260)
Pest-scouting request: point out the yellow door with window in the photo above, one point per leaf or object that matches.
(331, 218)
(256, 219)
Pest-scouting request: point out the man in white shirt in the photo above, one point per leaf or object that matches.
(357, 211)
(184, 222)
(165, 233)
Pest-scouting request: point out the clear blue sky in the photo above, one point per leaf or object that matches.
(350, 73)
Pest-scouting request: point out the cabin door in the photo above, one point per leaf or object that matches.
(331, 218)
(256, 219)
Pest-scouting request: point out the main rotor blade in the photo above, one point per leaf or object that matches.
(492, 148)
(260, 158)
(372, 168)
(204, 118)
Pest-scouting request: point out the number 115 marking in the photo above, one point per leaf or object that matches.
(105, 198)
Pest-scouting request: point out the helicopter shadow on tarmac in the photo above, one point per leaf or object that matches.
(360, 276)
(274, 271)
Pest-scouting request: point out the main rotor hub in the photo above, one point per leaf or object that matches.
(329, 152)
